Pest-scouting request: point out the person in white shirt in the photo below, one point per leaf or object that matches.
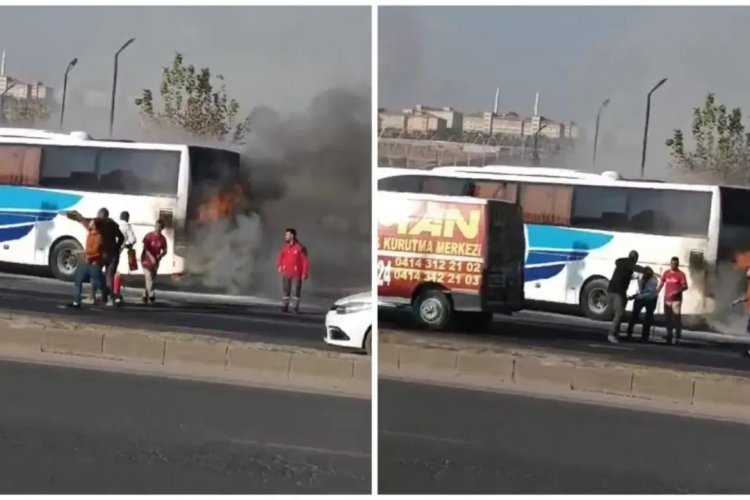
(129, 241)
(646, 299)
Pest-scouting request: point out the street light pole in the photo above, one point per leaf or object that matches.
(645, 128)
(596, 129)
(114, 87)
(71, 65)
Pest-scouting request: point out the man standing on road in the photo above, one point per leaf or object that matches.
(646, 299)
(618, 289)
(91, 267)
(128, 243)
(111, 241)
(154, 249)
(293, 266)
(674, 283)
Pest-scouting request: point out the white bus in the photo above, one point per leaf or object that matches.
(578, 224)
(43, 174)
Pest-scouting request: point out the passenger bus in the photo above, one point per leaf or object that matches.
(44, 174)
(577, 224)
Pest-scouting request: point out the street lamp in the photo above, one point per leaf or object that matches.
(645, 128)
(114, 87)
(71, 65)
(2, 101)
(596, 129)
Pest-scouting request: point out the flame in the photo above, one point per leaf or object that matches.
(221, 206)
(742, 260)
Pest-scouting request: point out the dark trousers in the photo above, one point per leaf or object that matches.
(110, 269)
(618, 308)
(648, 320)
(673, 316)
(88, 272)
(291, 289)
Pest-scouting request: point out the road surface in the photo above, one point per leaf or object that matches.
(572, 334)
(240, 318)
(436, 440)
(66, 430)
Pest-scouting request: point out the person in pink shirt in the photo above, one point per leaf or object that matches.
(154, 249)
(674, 283)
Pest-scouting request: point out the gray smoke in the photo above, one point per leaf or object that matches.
(310, 171)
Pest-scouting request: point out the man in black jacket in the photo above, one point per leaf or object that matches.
(618, 289)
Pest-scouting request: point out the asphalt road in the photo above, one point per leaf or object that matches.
(248, 318)
(579, 335)
(66, 430)
(436, 440)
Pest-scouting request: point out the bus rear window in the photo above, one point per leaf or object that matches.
(734, 207)
(216, 166)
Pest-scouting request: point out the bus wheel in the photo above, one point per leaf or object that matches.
(433, 310)
(63, 259)
(595, 301)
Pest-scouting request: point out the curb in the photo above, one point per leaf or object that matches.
(246, 361)
(485, 367)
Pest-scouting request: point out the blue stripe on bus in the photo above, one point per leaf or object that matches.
(15, 232)
(20, 204)
(554, 256)
(550, 248)
(565, 238)
(26, 198)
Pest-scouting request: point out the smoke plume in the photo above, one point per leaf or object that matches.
(310, 171)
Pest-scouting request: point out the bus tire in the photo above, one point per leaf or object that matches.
(432, 310)
(64, 258)
(595, 300)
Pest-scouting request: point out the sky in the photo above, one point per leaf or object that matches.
(271, 56)
(575, 57)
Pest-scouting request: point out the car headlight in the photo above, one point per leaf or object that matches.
(352, 307)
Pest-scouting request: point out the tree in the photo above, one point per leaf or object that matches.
(191, 102)
(23, 112)
(721, 150)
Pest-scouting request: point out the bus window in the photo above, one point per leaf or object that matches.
(19, 165)
(546, 204)
(138, 171)
(401, 184)
(600, 208)
(446, 186)
(66, 167)
(657, 211)
(495, 190)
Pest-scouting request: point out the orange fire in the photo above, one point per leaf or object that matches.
(222, 206)
(742, 260)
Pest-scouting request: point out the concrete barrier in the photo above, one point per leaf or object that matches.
(243, 361)
(487, 366)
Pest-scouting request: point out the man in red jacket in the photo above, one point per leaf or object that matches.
(292, 264)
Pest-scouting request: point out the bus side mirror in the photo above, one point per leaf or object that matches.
(696, 260)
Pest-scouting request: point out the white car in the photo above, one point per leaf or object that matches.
(349, 322)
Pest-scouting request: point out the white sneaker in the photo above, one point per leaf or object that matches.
(612, 339)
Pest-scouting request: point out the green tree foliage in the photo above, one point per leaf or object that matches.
(191, 102)
(23, 112)
(721, 151)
